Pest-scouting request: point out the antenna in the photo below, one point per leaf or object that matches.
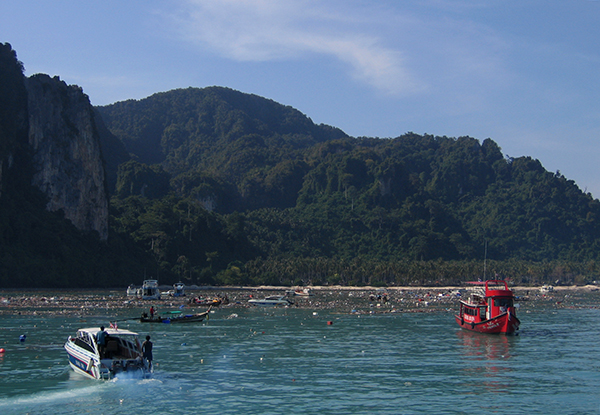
(485, 262)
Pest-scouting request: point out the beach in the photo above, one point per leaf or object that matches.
(342, 299)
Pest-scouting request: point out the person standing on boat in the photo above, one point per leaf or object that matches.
(147, 351)
(101, 340)
(151, 311)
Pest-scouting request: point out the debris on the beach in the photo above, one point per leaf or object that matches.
(344, 300)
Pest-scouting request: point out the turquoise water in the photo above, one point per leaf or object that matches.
(273, 361)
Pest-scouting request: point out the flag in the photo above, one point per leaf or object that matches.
(113, 325)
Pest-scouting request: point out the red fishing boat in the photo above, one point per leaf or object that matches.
(489, 309)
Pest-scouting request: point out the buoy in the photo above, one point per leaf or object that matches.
(2, 350)
(329, 323)
(22, 338)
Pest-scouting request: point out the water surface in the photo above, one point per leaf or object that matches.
(298, 360)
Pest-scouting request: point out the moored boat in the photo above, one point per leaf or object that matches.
(490, 309)
(150, 290)
(178, 290)
(133, 291)
(122, 353)
(301, 292)
(273, 300)
(175, 317)
(212, 302)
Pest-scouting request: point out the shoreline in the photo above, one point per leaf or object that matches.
(322, 288)
(588, 287)
(360, 300)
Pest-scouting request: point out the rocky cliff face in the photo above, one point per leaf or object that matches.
(66, 152)
(13, 113)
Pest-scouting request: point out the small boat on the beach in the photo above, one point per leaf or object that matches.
(177, 291)
(214, 302)
(545, 289)
(209, 301)
(301, 292)
(490, 308)
(172, 317)
(122, 354)
(133, 291)
(273, 300)
(150, 290)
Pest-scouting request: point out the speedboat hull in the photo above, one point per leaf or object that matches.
(122, 354)
(270, 302)
(85, 363)
(267, 303)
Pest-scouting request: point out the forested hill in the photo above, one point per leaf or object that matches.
(217, 132)
(310, 200)
(215, 186)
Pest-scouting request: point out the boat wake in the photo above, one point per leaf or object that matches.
(81, 393)
(20, 404)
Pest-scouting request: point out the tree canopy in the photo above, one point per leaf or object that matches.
(310, 196)
(214, 186)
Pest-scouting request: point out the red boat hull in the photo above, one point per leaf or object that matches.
(502, 324)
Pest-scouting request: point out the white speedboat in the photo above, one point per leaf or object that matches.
(150, 290)
(123, 354)
(273, 300)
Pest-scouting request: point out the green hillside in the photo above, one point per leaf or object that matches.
(214, 186)
(294, 202)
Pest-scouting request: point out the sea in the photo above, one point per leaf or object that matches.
(303, 360)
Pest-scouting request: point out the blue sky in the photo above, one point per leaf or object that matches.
(523, 73)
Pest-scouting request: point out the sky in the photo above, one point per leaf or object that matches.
(524, 73)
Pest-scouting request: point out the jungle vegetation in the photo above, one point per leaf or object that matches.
(231, 188)
(212, 186)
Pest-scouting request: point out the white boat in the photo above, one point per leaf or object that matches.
(546, 289)
(123, 354)
(133, 291)
(273, 300)
(301, 292)
(178, 290)
(150, 290)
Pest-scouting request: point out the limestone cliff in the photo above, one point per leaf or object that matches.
(13, 116)
(66, 152)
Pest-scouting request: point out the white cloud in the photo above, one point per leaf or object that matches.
(266, 30)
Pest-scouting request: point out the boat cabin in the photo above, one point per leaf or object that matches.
(150, 290)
